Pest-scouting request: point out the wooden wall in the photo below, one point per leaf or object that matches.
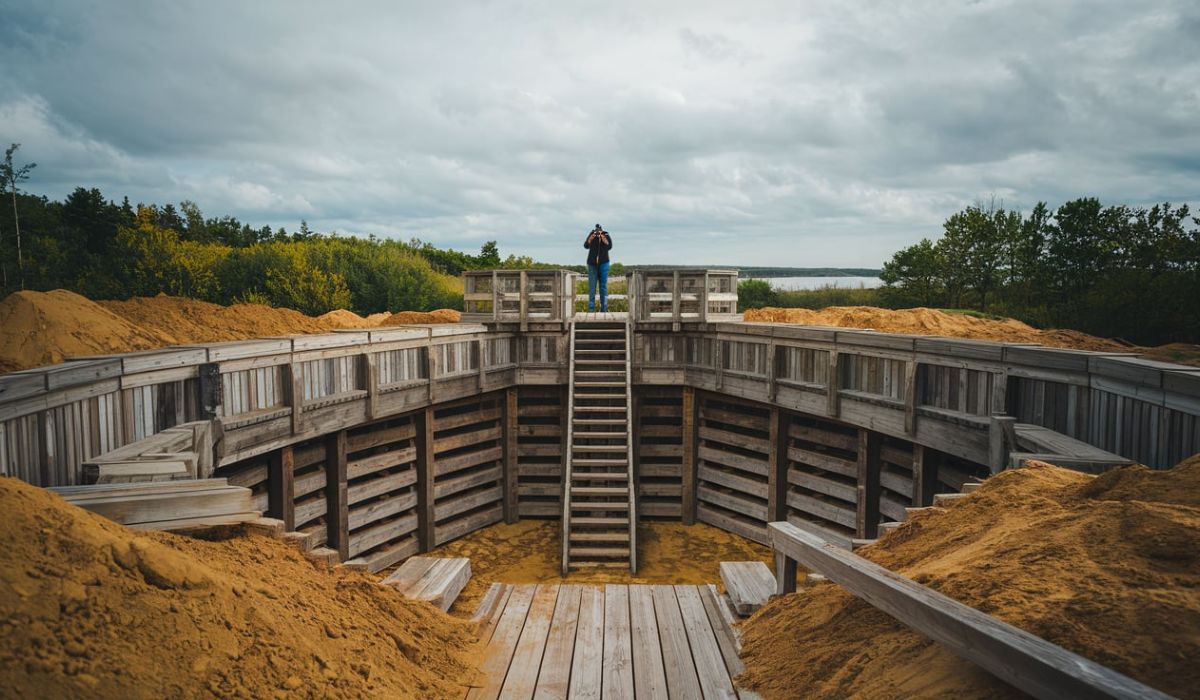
(658, 452)
(541, 450)
(468, 474)
(733, 461)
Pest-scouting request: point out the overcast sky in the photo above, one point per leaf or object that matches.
(790, 133)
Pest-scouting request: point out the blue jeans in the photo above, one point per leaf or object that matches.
(598, 271)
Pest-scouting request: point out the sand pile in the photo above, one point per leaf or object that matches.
(406, 317)
(529, 551)
(89, 608)
(923, 321)
(42, 328)
(1107, 567)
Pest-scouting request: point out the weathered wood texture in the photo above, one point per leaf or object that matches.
(733, 459)
(658, 452)
(1030, 663)
(541, 450)
(467, 470)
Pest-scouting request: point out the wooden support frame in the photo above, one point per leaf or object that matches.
(1001, 441)
(688, 466)
(925, 479)
(509, 442)
(777, 466)
(867, 515)
(209, 379)
(281, 474)
(1029, 663)
(337, 533)
(425, 466)
(834, 387)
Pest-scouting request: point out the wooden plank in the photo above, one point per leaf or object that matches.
(649, 676)
(554, 680)
(381, 436)
(748, 583)
(722, 623)
(829, 463)
(682, 681)
(522, 677)
(833, 512)
(732, 481)
(1029, 663)
(618, 644)
(499, 651)
(586, 665)
(710, 665)
(409, 573)
(820, 484)
(487, 613)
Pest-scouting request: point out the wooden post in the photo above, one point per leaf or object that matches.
(337, 516)
(510, 455)
(785, 574)
(209, 379)
(281, 498)
(924, 477)
(294, 394)
(481, 353)
(425, 469)
(999, 443)
(777, 466)
(867, 520)
(688, 469)
(370, 377)
(675, 297)
(431, 368)
(833, 386)
(911, 393)
(772, 370)
(523, 300)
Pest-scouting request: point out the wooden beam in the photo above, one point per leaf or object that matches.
(867, 517)
(833, 386)
(280, 485)
(911, 392)
(425, 493)
(337, 502)
(209, 378)
(509, 441)
(294, 394)
(777, 483)
(1029, 663)
(688, 468)
(924, 473)
(370, 376)
(1000, 441)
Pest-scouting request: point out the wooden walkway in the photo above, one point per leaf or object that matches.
(607, 642)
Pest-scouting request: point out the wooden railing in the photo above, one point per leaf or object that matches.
(518, 296)
(683, 296)
(262, 394)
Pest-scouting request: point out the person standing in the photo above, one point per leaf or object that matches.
(598, 243)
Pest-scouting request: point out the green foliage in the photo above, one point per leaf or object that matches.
(1114, 271)
(755, 294)
(830, 295)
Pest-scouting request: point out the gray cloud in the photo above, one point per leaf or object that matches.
(778, 132)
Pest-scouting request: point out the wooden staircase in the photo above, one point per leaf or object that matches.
(599, 511)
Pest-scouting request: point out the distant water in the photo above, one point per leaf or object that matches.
(791, 283)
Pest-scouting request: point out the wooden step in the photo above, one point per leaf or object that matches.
(437, 580)
(944, 499)
(601, 490)
(589, 521)
(598, 448)
(607, 435)
(597, 462)
(600, 421)
(600, 409)
(599, 505)
(749, 584)
(620, 536)
(600, 476)
(888, 527)
(590, 552)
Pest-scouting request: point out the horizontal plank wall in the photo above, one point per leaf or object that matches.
(896, 479)
(467, 470)
(658, 451)
(822, 475)
(733, 459)
(381, 472)
(541, 440)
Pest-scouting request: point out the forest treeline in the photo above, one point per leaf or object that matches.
(108, 250)
(1113, 271)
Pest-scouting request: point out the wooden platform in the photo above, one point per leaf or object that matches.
(436, 580)
(615, 641)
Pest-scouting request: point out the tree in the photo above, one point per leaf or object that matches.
(756, 294)
(489, 256)
(13, 176)
(916, 269)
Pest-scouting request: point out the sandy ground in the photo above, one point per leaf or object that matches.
(1106, 566)
(529, 551)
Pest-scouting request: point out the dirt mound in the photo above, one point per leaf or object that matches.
(922, 321)
(43, 328)
(343, 318)
(404, 318)
(89, 608)
(184, 320)
(1060, 554)
(529, 551)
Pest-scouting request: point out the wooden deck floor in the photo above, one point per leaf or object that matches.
(607, 642)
